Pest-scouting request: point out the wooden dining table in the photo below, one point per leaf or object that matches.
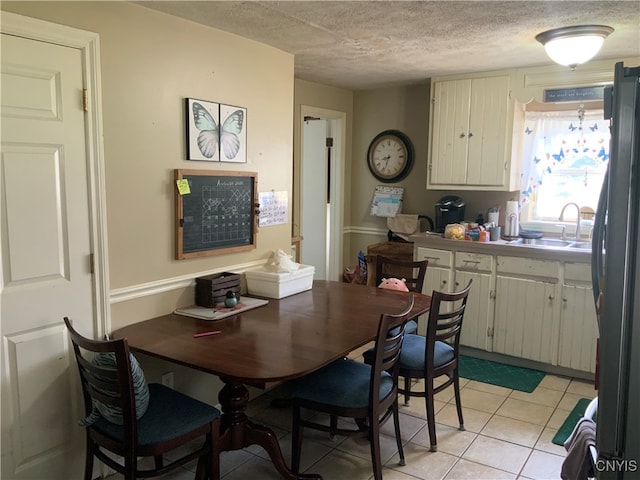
(282, 340)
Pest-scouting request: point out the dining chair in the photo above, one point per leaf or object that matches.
(114, 391)
(436, 354)
(413, 273)
(368, 394)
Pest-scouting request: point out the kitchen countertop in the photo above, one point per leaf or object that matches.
(503, 247)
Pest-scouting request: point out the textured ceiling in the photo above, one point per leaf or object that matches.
(371, 44)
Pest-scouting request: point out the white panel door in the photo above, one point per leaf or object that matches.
(578, 329)
(46, 249)
(315, 209)
(478, 315)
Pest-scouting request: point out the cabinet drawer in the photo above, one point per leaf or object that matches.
(577, 273)
(475, 262)
(437, 258)
(528, 267)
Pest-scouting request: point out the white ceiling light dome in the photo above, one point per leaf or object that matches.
(571, 46)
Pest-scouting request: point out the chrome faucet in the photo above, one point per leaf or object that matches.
(561, 218)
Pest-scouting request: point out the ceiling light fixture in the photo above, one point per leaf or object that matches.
(571, 46)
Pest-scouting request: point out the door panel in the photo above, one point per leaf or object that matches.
(46, 247)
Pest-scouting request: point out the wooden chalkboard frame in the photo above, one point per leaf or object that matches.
(246, 204)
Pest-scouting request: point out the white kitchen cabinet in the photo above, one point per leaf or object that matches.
(478, 317)
(471, 136)
(578, 321)
(439, 275)
(526, 312)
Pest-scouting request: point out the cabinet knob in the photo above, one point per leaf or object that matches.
(444, 282)
(462, 135)
(551, 297)
(470, 134)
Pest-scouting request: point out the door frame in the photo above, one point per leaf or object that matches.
(336, 182)
(89, 44)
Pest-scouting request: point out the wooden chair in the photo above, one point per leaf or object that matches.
(171, 419)
(347, 388)
(412, 271)
(436, 354)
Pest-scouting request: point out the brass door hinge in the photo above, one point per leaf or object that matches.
(85, 100)
(92, 263)
(489, 331)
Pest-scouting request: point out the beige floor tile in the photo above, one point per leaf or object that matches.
(466, 469)
(422, 463)
(569, 400)
(543, 466)
(583, 388)
(417, 407)
(360, 447)
(311, 451)
(541, 395)
(545, 443)
(450, 440)
(474, 420)
(526, 411)
(255, 468)
(479, 400)
(497, 454)
(339, 465)
(555, 382)
(558, 418)
(512, 430)
(487, 387)
(229, 461)
(409, 426)
(391, 474)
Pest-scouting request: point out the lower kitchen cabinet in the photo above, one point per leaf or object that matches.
(540, 310)
(578, 321)
(478, 317)
(524, 318)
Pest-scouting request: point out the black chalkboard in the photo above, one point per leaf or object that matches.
(218, 215)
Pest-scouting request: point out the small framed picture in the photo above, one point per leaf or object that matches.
(215, 132)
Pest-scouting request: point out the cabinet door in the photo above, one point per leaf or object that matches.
(578, 329)
(525, 315)
(450, 127)
(488, 120)
(478, 316)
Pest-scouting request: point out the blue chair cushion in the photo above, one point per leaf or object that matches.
(343, 383)
(411, 327)
(412, 354)
(169, 415)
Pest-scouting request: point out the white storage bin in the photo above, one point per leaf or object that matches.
(265, 283)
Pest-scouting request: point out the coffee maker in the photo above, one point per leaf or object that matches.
(449, 209)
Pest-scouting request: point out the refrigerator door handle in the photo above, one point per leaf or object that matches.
(597, 240)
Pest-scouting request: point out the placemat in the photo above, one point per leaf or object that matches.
(204, 313)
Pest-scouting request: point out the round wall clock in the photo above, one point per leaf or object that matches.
(390, 156)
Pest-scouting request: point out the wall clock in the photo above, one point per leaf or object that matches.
(390, 156)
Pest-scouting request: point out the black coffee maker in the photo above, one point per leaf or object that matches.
(449, 209)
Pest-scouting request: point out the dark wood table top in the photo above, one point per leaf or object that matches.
(285, 339)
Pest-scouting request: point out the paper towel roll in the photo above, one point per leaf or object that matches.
(512, 219)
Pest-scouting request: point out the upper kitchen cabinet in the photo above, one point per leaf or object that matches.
(471, 135)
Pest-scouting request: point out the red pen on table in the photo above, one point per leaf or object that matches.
(206, 334)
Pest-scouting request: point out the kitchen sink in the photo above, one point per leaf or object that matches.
(546, 242)
(581, 245)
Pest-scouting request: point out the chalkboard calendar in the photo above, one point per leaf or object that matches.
(216, 212)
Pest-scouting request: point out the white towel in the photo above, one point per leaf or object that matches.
(577, 463)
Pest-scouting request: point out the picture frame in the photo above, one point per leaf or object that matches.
(215, 132)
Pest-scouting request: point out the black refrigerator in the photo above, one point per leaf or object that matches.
(616, 276)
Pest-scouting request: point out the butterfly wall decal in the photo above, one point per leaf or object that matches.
(215, 130)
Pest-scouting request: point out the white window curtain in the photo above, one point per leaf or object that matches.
(559, 141)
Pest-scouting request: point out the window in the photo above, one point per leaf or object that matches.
(565, 158)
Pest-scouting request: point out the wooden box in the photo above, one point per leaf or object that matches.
(212, 289)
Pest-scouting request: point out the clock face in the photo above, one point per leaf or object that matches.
(390, 156)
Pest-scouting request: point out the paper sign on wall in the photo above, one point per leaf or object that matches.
(387, 201)
(273, 208)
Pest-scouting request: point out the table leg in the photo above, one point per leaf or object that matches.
(239, 432)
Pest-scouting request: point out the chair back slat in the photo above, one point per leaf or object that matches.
(445, 320)
(108, 385)
(387, 351)
(413, 272)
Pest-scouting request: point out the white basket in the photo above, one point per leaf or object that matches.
(265, 283)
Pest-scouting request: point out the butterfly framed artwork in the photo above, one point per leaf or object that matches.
(216, 132)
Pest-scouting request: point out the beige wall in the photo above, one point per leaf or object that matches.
(150, 62)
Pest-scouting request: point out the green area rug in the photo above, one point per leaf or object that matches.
(570, 422)
(486, 371)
